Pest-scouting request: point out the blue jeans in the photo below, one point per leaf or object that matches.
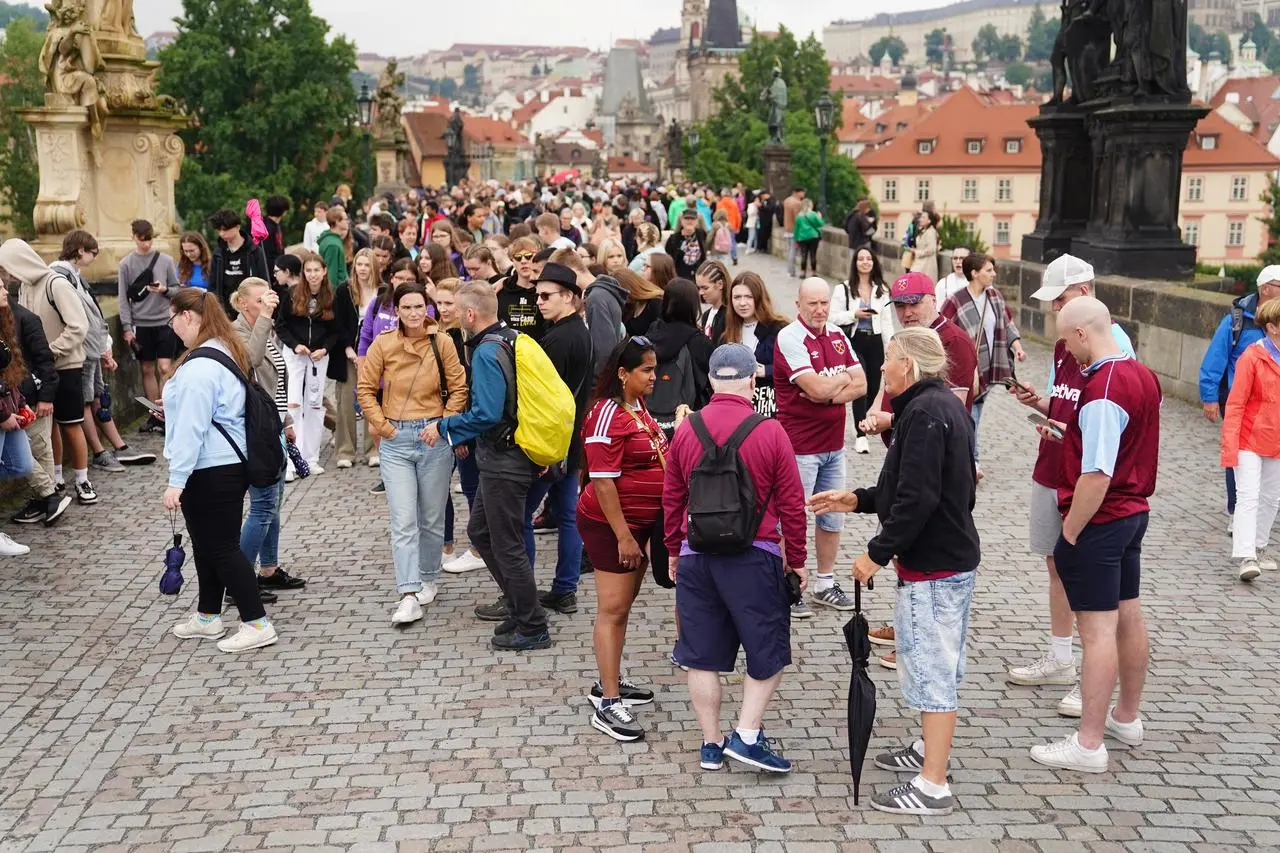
(791, 252)
(15, 454)
(260, 533)
(469, 474)
(416, 477)
(976, 417)
(822, 472)
(562, 504)
(931, 622)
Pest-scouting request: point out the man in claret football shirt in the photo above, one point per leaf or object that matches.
(1110, 452)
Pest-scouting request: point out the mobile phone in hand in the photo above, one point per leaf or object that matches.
(1040, 420)
(150, 405)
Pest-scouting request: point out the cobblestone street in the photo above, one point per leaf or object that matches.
(351, 735)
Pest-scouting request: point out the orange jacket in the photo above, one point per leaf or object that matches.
(1252, 419)
(730, 207)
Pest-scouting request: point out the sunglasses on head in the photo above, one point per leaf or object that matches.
(641, 340)
(522, 256)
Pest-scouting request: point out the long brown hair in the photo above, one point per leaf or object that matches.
(214, 324)
(662, 268)
(185, 267)
(324, 296)
(17, 369)
(639, 290)
(441, 266)
(766, 314)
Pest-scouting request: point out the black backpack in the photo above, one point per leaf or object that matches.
(262, 426)
(723, 511)
(674, 385)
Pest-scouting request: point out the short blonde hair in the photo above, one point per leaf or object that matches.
(238, 299)
(1267, 314)
(924, 348)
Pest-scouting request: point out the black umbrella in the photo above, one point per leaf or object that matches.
(862, 693)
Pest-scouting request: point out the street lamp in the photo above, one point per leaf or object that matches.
(694, 136)
(823, 118)
(364, 102)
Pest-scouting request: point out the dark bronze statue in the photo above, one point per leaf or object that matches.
(1082, 50)
(1150, 63)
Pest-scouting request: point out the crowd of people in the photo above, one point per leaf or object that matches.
(630, 393)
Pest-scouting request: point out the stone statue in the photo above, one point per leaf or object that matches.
(388, 101)
(116, 16)
(1082, 49)
(71, 62)
(675, 143)
(456, 161)
(776, 97)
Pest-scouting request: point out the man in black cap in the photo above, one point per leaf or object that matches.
(567, 343)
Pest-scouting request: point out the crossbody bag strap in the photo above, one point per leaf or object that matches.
(444, 383)
(653, 441)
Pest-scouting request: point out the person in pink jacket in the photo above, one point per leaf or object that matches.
(1251, 444)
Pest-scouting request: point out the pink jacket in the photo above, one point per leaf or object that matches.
(1252, 419)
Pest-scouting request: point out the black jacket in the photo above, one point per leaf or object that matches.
(273, 246)
(677, 246)
(311, 332)
(766, 338)
(255, 265)
(518, 309)
(669, 338)
(859, 228)
(568, 344)
(927, 487)
(646, 317)
(717, 325)
(764, 230)
(347, 317)
(37, 356)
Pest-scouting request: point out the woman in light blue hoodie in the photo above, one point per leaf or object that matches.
(204, 441)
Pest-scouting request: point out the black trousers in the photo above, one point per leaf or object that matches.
(496, 529)
(869, 347)
(213, 506)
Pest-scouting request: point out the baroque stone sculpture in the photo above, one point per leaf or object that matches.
(388, 102)
(776, 97)
(71, 63)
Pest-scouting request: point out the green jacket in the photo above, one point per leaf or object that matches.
(673, 213)
(808, 226)
(335, 258)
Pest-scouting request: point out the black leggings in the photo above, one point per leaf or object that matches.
(869, 348)
(808, 255)
(213, 506)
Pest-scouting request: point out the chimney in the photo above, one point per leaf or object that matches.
(1233, 97)
(546, 96)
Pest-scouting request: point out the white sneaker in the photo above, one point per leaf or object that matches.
(860, 445)
(192, 628)
(428, 593)
(249, 637)
(1046, 670)
(344, 463)
(1068, 754)
(1129, 734)
(1249, 569)
(373, 460)
(467, 562)
(290, 476)
(1072, 705)
(409, 610)
(316, 469)
(9, 548)
(1267, 565)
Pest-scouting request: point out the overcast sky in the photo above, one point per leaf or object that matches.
(380, 26)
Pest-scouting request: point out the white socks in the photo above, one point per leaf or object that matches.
(748, 737)
(82, 475)
(927, 788)
(1060, 648)
(822, 583)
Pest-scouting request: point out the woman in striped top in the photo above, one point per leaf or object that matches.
(260, 533)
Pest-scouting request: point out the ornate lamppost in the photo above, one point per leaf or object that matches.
(364, 102)
(823, 118)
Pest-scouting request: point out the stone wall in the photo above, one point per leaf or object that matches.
(1170, 324)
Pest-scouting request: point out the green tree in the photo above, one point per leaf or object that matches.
(1271, 198)
(892, 45)
(1044, 80)
(730, 142)
(987, 43)
(10, 12)
(954, 232)
(1258, 32)
(1018, 73)
(1204, 43)
(23, 87)
(271, 102)
(1009, 49)
(935, 46)
(1041, 33)
(471, 78)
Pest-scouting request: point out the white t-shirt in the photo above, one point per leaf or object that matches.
(988, 319)
(311, 234)
(950, 286)
(749, 339)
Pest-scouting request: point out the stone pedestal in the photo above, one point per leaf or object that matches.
(389, 165)
(1066, 174)
(103, 184)
(777, 170)
(1137, 174)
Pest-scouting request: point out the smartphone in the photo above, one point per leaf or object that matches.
(1040, 420)
(150, 405)
(871, 310)
(1014, 385)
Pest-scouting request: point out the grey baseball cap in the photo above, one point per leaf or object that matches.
(732, 361)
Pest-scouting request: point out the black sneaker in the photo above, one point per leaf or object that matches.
(496, 612)
(59, 488)
(631, 694)
(152, 425)
(618, 723)
(85, 493)
(542, 525)
(32, 513)
(561, 602)
(280, 579)
(506, 626)
(908, 799)
(267, 598)
(517, 642)
(379, 488)
(128, 456)
(54, 506)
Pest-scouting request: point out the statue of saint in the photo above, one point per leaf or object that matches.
(116, 16)
(388, 100)
(1081, 49)
(453, 133)
(675, 143)
(70, 60)
(776, 97)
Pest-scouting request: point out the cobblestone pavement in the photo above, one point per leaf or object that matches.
(349, 735)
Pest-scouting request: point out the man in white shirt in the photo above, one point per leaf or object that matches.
(956, 281)
(316, 227)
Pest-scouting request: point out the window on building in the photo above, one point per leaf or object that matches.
(1235, 233)
(1002, 232)
(971, 229)
(890, 190)
(922, 189)
(1195, 189)
(970, 190)
(925, 146)
(1004, 189)
(1191, 233)
(974, 146)
(1013, 146)
(1208, 143)
(881, 128)
(1239, 188)
(902, 125)
(889, 230)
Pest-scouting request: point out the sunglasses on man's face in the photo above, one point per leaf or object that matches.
(520, 257)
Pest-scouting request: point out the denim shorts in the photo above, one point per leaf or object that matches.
(822, 472)
(930, 623)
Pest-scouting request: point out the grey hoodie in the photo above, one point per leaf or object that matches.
(97, 341)
(51, 297)
(604, 302)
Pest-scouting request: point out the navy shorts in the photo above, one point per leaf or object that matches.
(1104, 567)
(731, 602)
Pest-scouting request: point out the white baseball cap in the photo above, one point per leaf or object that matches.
(1063, 272)
(1269, 275)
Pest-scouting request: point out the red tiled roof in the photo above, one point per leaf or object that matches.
(426, 132)
(500, 134)
(1258, 98)
(962, 117)
(508, 49)
(856, 84)
(524, 114)
(1233, 148)
(885, 126)
(629, 166)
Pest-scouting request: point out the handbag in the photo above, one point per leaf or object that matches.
(12, 404)
(138, 289)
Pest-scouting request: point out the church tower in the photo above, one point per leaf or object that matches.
(715, 57)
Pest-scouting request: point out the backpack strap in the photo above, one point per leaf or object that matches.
(744, 429)
(700, 430)
(230, 364)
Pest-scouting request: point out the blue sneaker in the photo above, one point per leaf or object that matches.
(759, 755)
(713, 755)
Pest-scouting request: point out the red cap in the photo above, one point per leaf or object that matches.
(911, 287)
